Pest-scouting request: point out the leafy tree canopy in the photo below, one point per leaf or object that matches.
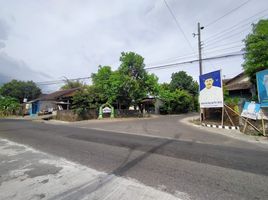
(8, 106)
(137, 82)
(127, 85)
(102, 81)
(256, 48)
(181, 80)
(178, 101)
(20, 90)
(87, 98)
(132, 64)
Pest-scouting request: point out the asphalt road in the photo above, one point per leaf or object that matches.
(198, 164)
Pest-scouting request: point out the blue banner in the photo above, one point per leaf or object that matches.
(251, 110)
(262, 86)
(210, 90)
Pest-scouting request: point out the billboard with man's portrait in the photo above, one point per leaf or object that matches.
(210, 90)
(262, 85)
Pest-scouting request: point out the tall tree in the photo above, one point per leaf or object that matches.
(20, 90)
(132, 64)
(181, 80)
(102, 81)
(137, 82)
(256, 48)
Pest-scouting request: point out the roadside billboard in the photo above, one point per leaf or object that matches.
(262, 86)
(251, 110)
(210, 90)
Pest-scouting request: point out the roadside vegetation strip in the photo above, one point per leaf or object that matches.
(31, 174)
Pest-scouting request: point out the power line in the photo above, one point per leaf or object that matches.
(224, 45)
(224, 49)
(228, 13)
(225, 37)
(234, 54)
(240, 24)
(175, 58)
(210, 50)
(178, 24)
(226, 33)
(61, 81)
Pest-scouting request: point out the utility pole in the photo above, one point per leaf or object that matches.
(199, 48)
(199, 28)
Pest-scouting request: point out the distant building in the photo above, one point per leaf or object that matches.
(240, 86)
(59, 100)
(152, 104)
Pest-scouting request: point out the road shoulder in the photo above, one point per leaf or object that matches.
(236, 134)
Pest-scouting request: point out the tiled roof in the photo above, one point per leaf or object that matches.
(239, 86)
(58, 94)
(239, 82)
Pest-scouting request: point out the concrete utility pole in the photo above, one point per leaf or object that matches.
(199, 28)
(199, 48)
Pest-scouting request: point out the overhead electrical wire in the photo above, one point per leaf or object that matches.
(229, 33)
(175, 58)
(210, 50)
(239, 24)
(226, 14)
(163, 66)
(178, 25)
(234, 54)
(61, 81)
(224, 49)
(225, 34)
(223, 45)
(226, 37)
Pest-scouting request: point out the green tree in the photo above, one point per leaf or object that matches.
(8, 106)
(256, 49)
(102, 81)
(119, 90)
(181, 80)
(87, 98)
(132, 64)
(69, 84)
(151, 84)
(178, 101)
(20, 90)
(127, 85)
(137, 82)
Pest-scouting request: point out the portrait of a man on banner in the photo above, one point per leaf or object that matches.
(210, 90)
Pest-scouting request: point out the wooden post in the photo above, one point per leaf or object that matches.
(229, 117)
(263, 124)
(222, 115)
(244, 119)
(245, 126)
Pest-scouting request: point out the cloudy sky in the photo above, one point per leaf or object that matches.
(45, 40)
